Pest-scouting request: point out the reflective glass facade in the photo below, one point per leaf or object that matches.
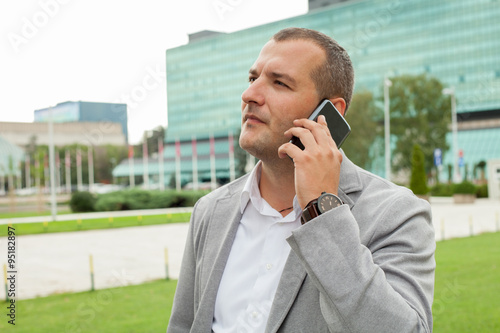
(86, 111)
(455, 41)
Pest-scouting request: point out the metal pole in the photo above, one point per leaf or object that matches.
(53, 204)
(79, 169)
(90, 162)
(91, 264)
(167, 277)
(387, 130)
(131, 166)
(161, 172)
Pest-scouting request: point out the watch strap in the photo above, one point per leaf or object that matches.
(311, 210)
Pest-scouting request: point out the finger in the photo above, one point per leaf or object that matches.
(320, 130)
(288, 150)
(322, 121)
(306, 136)
(313, 125)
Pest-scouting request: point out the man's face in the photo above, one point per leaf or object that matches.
(280, 90)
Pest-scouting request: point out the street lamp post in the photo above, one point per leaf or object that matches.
(387, 130)
(53, 204)
(451, 93)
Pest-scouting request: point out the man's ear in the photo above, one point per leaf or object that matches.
(339, 103)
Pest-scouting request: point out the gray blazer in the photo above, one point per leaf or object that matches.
(367, 266)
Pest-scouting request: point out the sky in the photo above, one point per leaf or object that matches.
(53, 51)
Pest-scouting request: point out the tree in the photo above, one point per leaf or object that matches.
(151, 138)
(482, 167)
(418, 182)
(420, 114)
(362, 116)
(106, 158)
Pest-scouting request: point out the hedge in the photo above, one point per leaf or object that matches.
(134, 199)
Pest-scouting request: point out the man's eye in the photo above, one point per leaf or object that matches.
(281, 83)
(251, 79)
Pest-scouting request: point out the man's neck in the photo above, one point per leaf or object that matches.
(277, 185)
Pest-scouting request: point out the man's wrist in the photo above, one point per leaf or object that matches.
(316, 207)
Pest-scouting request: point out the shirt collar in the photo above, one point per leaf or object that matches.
(251, 192)
(251, 188)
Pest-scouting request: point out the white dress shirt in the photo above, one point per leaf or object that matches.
(255, 264)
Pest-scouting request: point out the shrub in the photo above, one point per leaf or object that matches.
(482, 191)
(141, 199)
(464, 187)
(418, 181)
(161, 199)
(441, 190)
(112, 202)
(82, 202)
(187, 198)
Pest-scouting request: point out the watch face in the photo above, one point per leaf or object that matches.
(327, 202)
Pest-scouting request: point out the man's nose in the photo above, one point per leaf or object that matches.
(254, 93)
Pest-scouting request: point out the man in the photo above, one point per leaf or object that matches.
(252, 265)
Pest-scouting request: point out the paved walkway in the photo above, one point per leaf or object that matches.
(96, 215)
(59, 262)
(55, 263)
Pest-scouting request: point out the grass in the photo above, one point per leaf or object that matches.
(91, 224)
(465, 300)
(142, 308)
(467, 288)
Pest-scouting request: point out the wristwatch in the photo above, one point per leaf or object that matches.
(316, 207)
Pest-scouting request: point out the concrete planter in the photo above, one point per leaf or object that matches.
(424, 196)
(464, 198)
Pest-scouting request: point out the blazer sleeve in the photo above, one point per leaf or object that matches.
(183, 308)
(386, 285)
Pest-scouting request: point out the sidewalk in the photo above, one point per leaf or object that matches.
(97, 215)
(452, 221)
(59, 262)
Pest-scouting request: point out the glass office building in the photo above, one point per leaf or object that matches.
(455, 41)
(85, 111)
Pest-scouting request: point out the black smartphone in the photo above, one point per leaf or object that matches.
(338, 126)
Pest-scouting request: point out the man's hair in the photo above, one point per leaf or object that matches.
(333, 78)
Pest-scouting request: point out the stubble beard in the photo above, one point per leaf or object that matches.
(265, 148)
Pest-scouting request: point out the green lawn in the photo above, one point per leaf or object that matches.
(103, 223)
(467, 295)
(467, 298)
(140, 309)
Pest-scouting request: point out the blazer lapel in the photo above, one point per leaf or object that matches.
(291, 280)
(221, 232)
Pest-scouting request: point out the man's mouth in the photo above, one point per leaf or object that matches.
(252, 119)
